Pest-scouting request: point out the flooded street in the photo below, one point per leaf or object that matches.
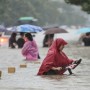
(26, 78)
(32, 24)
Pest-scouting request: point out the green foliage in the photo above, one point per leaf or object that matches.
(85, 4)
(76, 2)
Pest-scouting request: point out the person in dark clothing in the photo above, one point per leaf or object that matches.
(48, 39)
(20, 41)
(12, 40)
(0, 34)
(86, 39)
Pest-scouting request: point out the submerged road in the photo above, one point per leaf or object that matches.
(26, 78)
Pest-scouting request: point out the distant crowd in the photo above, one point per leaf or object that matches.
(56, 62)
(27, 43)
(13, 42)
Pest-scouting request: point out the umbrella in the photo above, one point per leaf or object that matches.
(55, 30)
(27, 18)
(83, 30)
(28, 28)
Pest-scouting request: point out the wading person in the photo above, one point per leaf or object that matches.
(86, 39)
(30, 49)
(20, 41)
(56, 62)
(12, 40)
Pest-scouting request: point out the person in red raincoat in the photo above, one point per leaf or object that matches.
(56, 60)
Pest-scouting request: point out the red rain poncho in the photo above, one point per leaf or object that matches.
(55, 58)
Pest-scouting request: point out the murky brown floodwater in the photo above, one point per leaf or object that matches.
(26, 79)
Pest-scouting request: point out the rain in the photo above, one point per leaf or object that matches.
(45, 20)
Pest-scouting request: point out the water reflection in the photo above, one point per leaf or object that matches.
(54, 77)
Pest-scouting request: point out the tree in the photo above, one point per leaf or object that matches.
(85, 4)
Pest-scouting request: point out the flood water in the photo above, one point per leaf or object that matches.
(26, 78)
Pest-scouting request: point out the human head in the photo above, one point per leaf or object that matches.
(22, 34)
(13, 35)
(58, 44)
(28, 36)
(88, 33)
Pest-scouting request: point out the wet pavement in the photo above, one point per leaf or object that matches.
(26, 78)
